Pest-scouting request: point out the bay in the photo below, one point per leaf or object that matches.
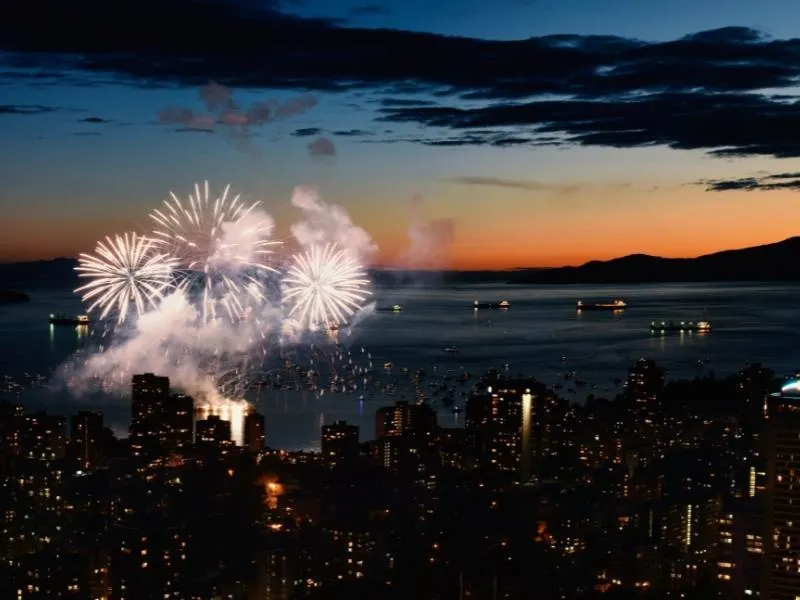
(541, 335)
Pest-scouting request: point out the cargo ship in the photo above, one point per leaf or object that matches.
(502, 305)
(74, 320)
(615, 304)
(682, 326)
(395, 308)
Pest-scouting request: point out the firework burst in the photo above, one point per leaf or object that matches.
(221, 241)
(125, 270)
(325, 286)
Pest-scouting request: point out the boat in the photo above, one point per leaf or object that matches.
(451, 350)
(682, 326)
(72, 320)
(395, 308)
(615, 304)
(502, 305)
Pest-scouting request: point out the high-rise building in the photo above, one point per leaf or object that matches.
(232, 411)
(10, 422)
(254, 432)
(43, 437)
(161, 423)
(339, 443)
(86, 439)
(213, 432)
(782, 535)
(147, 560)
(645, 381)
(50, 573)
(740, 551)
(500, 421)
(405, 419)
(149, 395)
(177, 424)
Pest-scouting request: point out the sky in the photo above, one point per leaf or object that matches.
(462, 134)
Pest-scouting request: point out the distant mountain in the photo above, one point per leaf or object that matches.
(771, 262)
(41, 274)
(383, 276)
(11, 297)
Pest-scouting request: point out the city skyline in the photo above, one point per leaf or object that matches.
(620, 139)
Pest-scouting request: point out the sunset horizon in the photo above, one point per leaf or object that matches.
(572, 138)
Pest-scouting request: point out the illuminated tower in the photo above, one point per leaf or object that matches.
(405, 419)
(254, 432)
(339, 443)
(149, 393)
(645, 381)
(500, 421)
(177, 423)
(213, 432)
(782, 535)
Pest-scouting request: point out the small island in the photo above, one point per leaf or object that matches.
(11, 297)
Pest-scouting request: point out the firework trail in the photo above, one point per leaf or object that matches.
(325, 286)
(125, 270)
(221, 241)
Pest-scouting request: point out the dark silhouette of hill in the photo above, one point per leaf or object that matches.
(12, 297)
(770, 262)
(41, 274)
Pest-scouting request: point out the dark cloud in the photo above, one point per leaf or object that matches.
(724, 124)
(397, 102)
(472, 139)
(86, 134)
(27, 109)
(322, 147)
(192, 130)
(776, 181)
(370, 10)
(352, 133)
(94, 120)
(527, 185)
(307, 132)
(703, 91)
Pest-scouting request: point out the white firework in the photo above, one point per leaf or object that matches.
(325, 286)
(126, 270)
(222, 241)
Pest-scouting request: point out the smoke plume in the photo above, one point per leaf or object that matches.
(430, 241)
(240, 237)
(323, 223)
(210, 359)
(173, 341)
(223, 114)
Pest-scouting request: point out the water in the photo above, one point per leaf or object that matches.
(750, 323)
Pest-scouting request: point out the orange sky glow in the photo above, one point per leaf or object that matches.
(523, 230)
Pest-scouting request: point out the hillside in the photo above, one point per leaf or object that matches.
(11, 297)
(770, 262)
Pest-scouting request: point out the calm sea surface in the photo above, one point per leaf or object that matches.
(541, 335)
